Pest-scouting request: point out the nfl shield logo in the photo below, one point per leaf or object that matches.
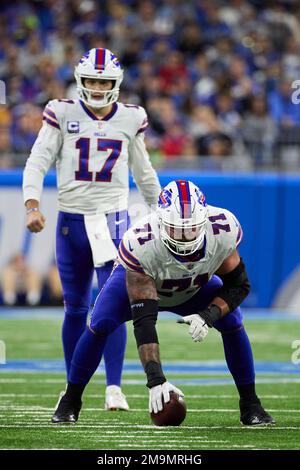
(73, 127)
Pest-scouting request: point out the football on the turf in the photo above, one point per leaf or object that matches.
(173, 412)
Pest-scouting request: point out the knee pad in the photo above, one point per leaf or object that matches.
(231, 322)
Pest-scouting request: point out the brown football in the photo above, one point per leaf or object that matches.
(173, 412)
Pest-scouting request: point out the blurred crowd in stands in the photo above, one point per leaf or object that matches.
(214, 76)
(20, 284)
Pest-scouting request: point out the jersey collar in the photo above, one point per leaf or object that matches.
(96, 118)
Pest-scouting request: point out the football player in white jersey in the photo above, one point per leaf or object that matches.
(183, 259)
(94, 141)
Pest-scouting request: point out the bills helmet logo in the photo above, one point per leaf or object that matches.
(164, 199)
(200, 197)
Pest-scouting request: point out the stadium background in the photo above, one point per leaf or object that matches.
(216, 78)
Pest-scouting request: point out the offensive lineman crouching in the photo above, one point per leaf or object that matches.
(182, 259)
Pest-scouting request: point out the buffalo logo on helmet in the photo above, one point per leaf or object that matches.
(164, 199)
(200, 197)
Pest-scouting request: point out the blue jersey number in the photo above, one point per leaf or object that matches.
(216, 226)
(183, 284)
(105, 174)
(145, 229)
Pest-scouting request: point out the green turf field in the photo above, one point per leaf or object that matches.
(27, 399)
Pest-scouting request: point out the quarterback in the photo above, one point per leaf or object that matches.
(94, 141)
(183, 258)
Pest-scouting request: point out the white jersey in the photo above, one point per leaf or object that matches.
(92, 157)
(177, 279)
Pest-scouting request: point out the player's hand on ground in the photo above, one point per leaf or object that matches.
(35, 221)
(161, 394)
(198, 328)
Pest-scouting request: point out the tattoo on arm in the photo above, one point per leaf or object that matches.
(149, 352)
(140, 286)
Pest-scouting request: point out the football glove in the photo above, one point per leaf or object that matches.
(161, 394)
(198, 328)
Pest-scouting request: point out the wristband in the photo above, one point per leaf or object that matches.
(211, 314)
(154, 374)
(33, 209)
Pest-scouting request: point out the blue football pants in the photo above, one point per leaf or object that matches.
(76, 269)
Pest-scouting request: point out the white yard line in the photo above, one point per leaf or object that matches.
(137, 395)
(215, 382)
(43, 410)
(77, 426)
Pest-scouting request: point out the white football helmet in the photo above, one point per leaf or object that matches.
(182, 213)
(98, 64)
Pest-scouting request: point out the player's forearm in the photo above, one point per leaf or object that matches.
(149, 186)
(143, 173)
(221, 304)
(32, 184)
(43, 154)
(217, 309)
(149, 356)
(144, 306)
(236, 285)
(144, 321)
(149, 352)
(234, 290)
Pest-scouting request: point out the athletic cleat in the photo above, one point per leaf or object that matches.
(60, 397)
(67, 411)
(253, 414)
(115, 399)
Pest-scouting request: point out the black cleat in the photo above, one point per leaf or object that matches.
(67, 411)
(253, 414)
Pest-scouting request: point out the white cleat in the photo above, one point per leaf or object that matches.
(115, 399)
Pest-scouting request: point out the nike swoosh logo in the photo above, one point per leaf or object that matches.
(255, 420)
(118, 222)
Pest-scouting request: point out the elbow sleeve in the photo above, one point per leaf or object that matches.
(236, 286)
